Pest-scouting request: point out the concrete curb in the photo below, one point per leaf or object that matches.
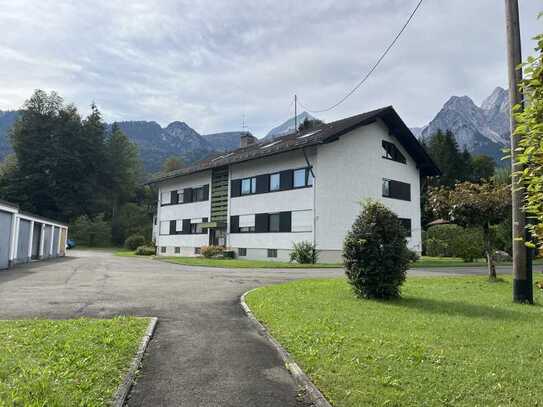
(124, 388)
(297, 373)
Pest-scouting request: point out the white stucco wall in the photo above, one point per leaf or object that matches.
(183, 211)
(291, 200)
(352, 169)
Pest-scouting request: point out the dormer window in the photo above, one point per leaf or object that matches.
(391, 152)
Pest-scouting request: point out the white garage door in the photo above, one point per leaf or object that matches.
(5, 238)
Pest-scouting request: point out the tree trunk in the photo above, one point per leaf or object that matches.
(489, 254)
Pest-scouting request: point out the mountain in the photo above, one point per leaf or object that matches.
(288, 126)
(481, 129)
(225, 141)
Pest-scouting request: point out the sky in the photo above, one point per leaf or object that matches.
(213, 63)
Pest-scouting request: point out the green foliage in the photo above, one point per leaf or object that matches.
(134, 241)
(482, 167)
(454, 241)
(475, 206)
(91, 232)
(211, 251)
(304, 253)
(530, 131)
(145, 251)
(134, 219)
(308, 124)
(375, 253)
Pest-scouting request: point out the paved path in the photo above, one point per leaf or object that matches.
(205, 351)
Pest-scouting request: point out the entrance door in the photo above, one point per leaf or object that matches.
(5, 238)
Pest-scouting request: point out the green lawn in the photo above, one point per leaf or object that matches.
(240, 263)
(78, 362)
(427, 261)
(450, 341)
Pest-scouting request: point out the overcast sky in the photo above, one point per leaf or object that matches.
(210, 62)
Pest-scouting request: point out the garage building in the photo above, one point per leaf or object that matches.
(25, 237)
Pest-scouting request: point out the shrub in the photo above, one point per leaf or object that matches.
(211, 251)
(304, 253)
(134, 241)
(94, 232)
(375, 253)
(454, 241)
(145, 251)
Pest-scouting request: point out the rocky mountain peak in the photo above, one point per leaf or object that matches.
(498, 100)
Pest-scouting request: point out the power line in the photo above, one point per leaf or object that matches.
(373, 68)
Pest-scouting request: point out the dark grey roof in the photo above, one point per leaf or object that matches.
(31, 215)
(324, 134)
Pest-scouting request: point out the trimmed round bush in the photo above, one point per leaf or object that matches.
(211, 251)
(304, 253)
(375, 253)
(134, 241)
(145, 251)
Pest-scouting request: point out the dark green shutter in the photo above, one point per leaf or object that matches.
(234, 224)
(186, 226)
(174, 198)
(187, 195)
(262, 184)
(261, 222)
(172, 227)
(206, 192)
(285, 222)
(235, 188)
(286, 179)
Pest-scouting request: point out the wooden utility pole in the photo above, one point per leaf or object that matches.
(295, 113)
(522, 264)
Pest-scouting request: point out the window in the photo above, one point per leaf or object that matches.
(242, 252)
(165, 198)
(275, 182)
(181, 196)
(248, 186)
(396, 190)
(406, 224)
(196, 228)
(177, 250)
(272, 252)
(179, 226)
(302, 221)
(163, 249)
(275, 219)
(246, 223)
(391, 152)
(299, 178)
(197, 250)
(198, 194)
(164, 228)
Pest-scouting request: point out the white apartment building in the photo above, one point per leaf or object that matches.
(264, 196)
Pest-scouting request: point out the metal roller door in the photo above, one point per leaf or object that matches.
(23, 243)
(56, 236)
(47, 241)
(36, 240)
(5, 238)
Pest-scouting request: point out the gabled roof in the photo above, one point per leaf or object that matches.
(324, 134)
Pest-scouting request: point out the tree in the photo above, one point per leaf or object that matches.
(444, 150)
(375, 253)
(530, 130)
(173, 163)
(309, 124)
(482, 167)
(469, 204)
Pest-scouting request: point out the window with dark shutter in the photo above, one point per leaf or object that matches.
(186, 226)
(285, 221)
(286, 179)
(234, 224)
(172, 227)
(406, 225)
(206, 192)
(187, 195)
(235, 188)
(262, 184)
(261, 222)
(274, 222)
(391, 152)
(174, 198)
(396, 190)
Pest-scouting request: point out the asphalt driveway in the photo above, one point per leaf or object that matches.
(205, 351)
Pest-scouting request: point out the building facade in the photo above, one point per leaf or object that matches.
(25, 237)
(265, 196)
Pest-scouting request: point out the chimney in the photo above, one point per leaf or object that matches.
(246, 140)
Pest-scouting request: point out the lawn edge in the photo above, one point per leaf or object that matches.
(301, 379)
(124, 388)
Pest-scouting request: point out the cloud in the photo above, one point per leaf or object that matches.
(210, 62)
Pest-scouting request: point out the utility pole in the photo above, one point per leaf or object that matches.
(295, 113)
(522, 262)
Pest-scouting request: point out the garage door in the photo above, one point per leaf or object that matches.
(5, 238)
(47, 241)
(23, 243)
(56, 236)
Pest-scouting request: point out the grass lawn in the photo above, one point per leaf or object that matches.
(78, 362)
(240, 263)
(449, 341)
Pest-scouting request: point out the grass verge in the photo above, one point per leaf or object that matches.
(240, 263)
(449, 341)
(78, 362)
